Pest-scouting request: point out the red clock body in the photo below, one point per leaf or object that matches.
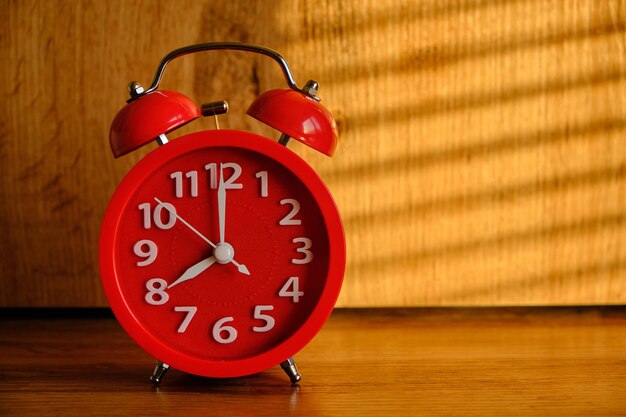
(222, 253)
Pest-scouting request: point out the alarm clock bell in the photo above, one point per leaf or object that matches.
(150, 114)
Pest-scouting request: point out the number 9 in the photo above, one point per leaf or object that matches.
(149, 254)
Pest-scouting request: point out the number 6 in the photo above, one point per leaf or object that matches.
(218, 329)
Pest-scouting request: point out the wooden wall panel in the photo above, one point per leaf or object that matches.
(482, 155)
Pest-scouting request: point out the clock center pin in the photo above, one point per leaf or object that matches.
(224, 253)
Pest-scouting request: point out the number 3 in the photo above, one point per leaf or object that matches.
(308, 255)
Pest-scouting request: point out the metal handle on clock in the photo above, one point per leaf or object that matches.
(220, 46)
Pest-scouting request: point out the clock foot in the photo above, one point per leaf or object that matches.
(290, 368)
(159, 372)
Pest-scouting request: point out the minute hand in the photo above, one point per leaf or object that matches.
(221, 213)
(221, 205)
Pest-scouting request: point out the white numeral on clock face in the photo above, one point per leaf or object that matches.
(269, 320)
(263, 177)
(294, 292)
(289, 220)
(191, 311)
(150, 254)
(306, 245)
(178, 183)
(229, 183)
(156, 294)
(156, 216)
(219, 327)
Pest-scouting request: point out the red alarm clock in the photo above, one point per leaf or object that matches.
(222, 252)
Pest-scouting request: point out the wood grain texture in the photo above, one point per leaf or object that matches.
(481, 159)
(449, 362)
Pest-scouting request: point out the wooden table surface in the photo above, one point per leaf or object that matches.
(483, 362)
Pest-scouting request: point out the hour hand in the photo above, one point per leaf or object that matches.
(194, 270)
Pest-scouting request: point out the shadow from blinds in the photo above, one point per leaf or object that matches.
(418, 57)
(486, 148)
(411, 259)
(443, 56)
(436, 105)
(496, 195)
(395, 15)
(544, 280)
